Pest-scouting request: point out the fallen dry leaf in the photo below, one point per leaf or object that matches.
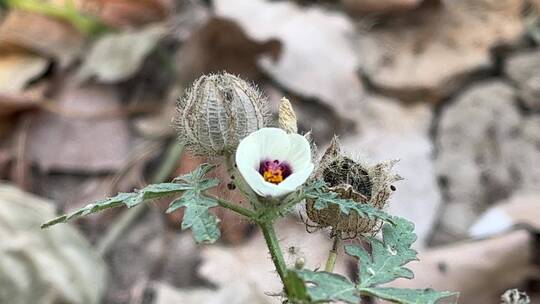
(519, 209)
(128, 13)
(167, 294)
(44, 266)
(221, 44)
(390, 130)
(44, 35)
(157, 125)
(11, 103)
(426, 54)
(17, 69)
(235, 292)
(475, 161)
(361, 7)
(522, 68)
(318, 58)
(81, 144)
(117, 56)
(5, 158)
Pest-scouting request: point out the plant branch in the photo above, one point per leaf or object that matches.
(332, 255)
(236, 208)
(276, 254)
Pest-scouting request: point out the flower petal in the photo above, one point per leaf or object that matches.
(299, 152)
(273, 143)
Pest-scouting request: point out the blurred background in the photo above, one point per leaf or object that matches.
(87, 95)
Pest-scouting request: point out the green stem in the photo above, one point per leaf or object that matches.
(276, 254)
(236, 208)
(331, 261)
(332, 255)
(266, 224)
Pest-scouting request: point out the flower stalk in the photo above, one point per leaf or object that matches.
(267, 229)
(236, 208)
(332, 255)
(266, 224)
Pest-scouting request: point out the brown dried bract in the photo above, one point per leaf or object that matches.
(351, 180)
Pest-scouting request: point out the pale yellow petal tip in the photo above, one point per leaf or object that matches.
(287, 117)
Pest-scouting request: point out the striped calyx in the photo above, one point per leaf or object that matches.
(217, 112)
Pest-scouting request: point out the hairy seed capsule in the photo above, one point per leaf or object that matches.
(351, 180)
(217, 112)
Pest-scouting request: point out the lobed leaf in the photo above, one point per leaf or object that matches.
(296, 288)
(197, 217)
(191, 185)
(408, 296)
(388, 255)
(319, 192)
(384, 264)
(325, 286)
(129, 200)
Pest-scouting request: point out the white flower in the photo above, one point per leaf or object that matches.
(273, 162)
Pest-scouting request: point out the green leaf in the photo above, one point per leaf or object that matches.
(384, 264)
(127, 199)
(196, 177)
(319, 192)
(325, 286)
(408, 296)
(388, 256)
(197, 216)
(296, 288)
(193, 182)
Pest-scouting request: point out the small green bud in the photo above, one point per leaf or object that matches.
(299, 263)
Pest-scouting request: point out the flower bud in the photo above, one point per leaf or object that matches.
(299, 263)
(287, 117)
(351, 180)
(217, 112)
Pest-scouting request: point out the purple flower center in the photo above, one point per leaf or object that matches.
(274, 171)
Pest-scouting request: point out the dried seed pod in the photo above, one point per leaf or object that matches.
(217, 112)
(287, 117)
(351, 180)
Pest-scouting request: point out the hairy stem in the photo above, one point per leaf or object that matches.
(236, 208)
(332, 255)
(266, 224)
(272, 242)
